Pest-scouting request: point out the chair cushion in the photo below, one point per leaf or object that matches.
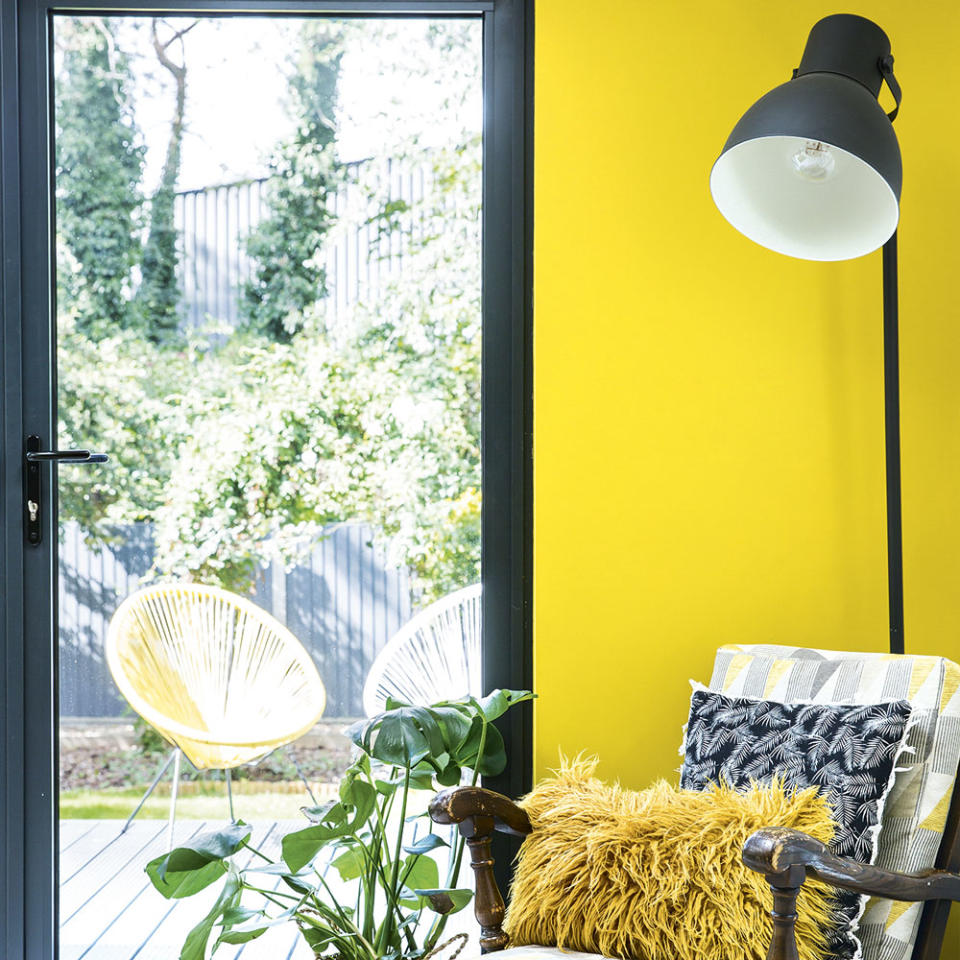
(658, 873)
(848, 751)
(535, 952)
(915, 813)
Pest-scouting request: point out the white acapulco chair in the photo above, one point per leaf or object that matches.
(212, 673)
(435, 656)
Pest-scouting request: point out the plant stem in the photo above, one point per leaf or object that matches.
(480, 749)
(334, 905)
(403, 817)
(271, 895)
(453, 871)
(370, 880)
(349, 928)
(253, 849)
(386, 930)
(453, 874)
(368, 855)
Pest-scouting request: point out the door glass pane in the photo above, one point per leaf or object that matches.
(268, 316)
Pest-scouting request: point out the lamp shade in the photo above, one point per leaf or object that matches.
(812, 169)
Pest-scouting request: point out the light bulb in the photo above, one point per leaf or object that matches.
(815, 162)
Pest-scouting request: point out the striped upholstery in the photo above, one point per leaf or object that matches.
(915, 813)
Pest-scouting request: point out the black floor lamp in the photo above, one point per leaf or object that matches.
(813, 170)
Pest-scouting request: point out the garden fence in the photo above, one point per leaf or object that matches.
(213, 224)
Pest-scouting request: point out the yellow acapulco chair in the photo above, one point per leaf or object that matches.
(214, 674)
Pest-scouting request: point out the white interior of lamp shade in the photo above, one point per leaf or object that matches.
(756, 187)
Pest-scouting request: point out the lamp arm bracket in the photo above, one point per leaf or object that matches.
(886, 68)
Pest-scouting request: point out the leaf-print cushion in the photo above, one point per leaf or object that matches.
(850, 752)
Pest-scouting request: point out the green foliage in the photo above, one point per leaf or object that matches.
(423, 333)
(282, 440)
(276, 447)
(246, 447)
(99, 163)
(159, 295)
(130, 409)
(394, 905)
(286, 246)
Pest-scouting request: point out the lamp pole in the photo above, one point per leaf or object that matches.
(891, 398)
(813, 170)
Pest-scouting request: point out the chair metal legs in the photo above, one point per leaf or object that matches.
(173, 797)
(313, 799)
(153, 786)
(174, 758)
(233, 819)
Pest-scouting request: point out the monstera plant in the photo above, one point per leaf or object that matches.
(397, 877)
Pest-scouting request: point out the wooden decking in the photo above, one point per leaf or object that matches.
(110, 911)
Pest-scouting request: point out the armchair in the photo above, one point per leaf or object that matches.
(787, 857)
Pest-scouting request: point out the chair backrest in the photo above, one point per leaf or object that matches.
(919, 820)
(212, 672)
(435, 656)
(933, 921)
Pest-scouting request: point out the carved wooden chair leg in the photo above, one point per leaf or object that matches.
(786, 888)
(488, 906)
(478, 813)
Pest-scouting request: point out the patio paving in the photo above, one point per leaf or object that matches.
(110, 911)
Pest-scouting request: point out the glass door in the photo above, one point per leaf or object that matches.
(268, 248)
(260, 389)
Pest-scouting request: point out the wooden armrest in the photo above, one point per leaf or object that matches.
(479, 813)
(460, 804)
(786, 857)
(777, 850)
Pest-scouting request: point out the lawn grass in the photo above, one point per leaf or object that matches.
(117, 803)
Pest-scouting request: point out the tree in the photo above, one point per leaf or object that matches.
(286, 246)
(99, 164)
(159, 293)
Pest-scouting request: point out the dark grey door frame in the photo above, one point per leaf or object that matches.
(28, 650)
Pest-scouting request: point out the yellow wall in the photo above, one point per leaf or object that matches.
(708, 414)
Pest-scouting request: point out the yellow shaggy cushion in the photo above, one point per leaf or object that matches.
(657, 874)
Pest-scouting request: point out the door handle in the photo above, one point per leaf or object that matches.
(65, 456)
(33, 496)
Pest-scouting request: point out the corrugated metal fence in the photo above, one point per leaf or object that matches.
(343, 602)
(213, 224)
